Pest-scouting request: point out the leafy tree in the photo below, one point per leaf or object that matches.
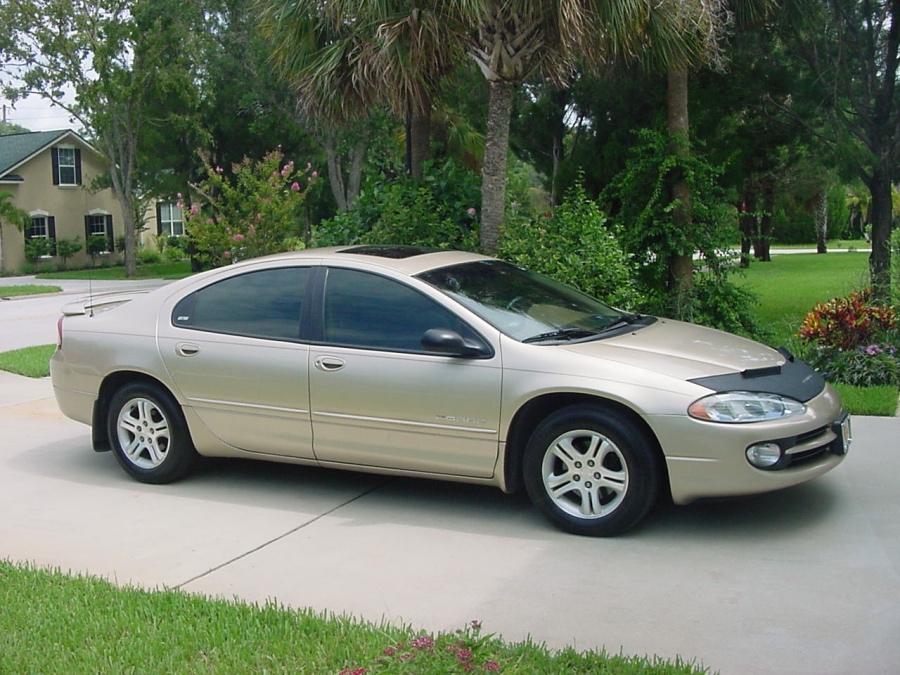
(7, 128)
(115, 55)
(851, 49)
(12, 215)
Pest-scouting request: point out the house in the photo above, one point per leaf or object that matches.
(50, 175)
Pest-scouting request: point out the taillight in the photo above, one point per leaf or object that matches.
(59, 324)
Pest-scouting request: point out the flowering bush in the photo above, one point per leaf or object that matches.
(847, 323)
(255, 212)
(875, 365)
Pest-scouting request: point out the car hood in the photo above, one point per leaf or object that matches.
(682, 350)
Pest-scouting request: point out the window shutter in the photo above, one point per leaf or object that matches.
(51, 231)
(87, 229)
(158, 219)
(110, 235)
(77, 166)
(54, 156)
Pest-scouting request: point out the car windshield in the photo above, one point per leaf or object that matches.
(525, 305)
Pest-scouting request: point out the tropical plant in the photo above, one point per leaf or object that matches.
(66, 248)
(847, 323)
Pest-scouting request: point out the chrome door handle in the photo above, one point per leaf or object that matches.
(329, 363)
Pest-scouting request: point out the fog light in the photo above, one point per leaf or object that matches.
(764, 455)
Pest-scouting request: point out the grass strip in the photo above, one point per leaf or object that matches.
(876, 401)
(27, 289)
(28, 361)
(175, 270)
(55, 623)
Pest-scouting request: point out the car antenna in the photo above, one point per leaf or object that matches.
(91, 288)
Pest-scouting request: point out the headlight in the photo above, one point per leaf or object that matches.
(738, 407)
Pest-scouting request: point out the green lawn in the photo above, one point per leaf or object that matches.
(30, 361)
(28, 289)
(790, 286)
(175, 270)
(58, 624)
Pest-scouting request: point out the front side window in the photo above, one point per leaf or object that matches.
(171, 223)
(265, 304)
(38, 228)
(367, 310)
(66, 166)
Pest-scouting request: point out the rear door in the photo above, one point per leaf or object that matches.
(233, 348)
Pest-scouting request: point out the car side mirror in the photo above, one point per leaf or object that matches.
(451, 343)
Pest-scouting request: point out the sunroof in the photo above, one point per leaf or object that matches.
(396, 252)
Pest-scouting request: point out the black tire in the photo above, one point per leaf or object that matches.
(149, 435)
(591, 471)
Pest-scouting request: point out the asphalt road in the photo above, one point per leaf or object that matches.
(806, 580)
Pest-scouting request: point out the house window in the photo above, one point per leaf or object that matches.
(40, 236)
(169, 219)
(66, 166)
(98, 225)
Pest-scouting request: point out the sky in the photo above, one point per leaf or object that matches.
(36, 114)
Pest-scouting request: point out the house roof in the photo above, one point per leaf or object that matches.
(16, 149)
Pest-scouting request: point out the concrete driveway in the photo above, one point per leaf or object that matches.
(802, 581)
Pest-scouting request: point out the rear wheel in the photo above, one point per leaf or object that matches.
(149, 435)
(591, 471)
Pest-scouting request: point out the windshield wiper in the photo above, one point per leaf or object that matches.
(625, 320)
(561, 334)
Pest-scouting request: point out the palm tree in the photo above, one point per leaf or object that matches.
(10, 214)
(345, 56)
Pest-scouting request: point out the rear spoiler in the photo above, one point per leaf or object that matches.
(101, 302)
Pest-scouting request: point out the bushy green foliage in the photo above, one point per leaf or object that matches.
(96, 244)
(253, 212)
(440, 211)
(576, 245)
(148, 256)
(895, 266)
(38, 247)
(66, 248)
(639, 198)
(875, 365)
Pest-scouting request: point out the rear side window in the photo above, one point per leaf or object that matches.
(264, 304)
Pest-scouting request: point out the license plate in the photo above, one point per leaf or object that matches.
(845, 433)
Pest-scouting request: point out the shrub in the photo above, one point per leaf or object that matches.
(38, 247)
(148, 256)
(576, 245)
(874, 365)
(252, 213)
(96, 244)
(438, 211)
(846, 323)
(66, 248)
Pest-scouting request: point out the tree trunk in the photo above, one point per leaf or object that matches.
(880, 212)
(747, 221)
(681, 264)
(493, 175)
(822, 221)
(557, 121)
(419, 140)
(762, 245)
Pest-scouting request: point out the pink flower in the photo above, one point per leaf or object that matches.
(423, 642)
(491, 665)
(295, 186)
(226, 255)
(238, 237)
(315, 174)
(218, 169)
(464, 655)
(471, 211)
(194, 209)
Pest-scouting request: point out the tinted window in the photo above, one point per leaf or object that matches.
(367, 310)
(264, 304)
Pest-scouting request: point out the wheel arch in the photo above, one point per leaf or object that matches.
(532, 413)
(110, 385)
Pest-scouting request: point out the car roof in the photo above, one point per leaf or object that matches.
(408, 260)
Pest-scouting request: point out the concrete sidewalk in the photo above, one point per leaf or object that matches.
(802, 581)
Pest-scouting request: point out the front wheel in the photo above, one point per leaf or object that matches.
(591, 471)
(149, 435)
